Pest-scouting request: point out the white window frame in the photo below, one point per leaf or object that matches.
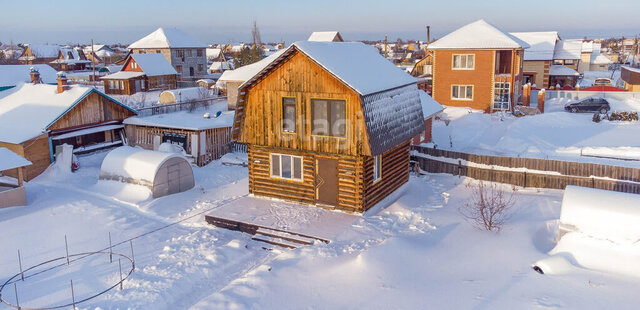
(459, 92)
(377, 168)
(501, 86)
(466, 61)
(293, 168)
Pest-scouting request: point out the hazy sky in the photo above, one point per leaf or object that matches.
(120, 21)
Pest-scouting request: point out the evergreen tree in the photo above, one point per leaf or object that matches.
(248, 56)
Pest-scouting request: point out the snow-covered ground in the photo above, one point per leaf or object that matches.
(590, 76)
(556, 134)
(418, 252)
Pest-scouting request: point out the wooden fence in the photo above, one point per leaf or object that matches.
(542, 173)
(236, 147)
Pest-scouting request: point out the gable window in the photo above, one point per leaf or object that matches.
(558, 62)
(328, 117)
(569, 62)
(289, 114)
(134, 65)
(462, 92)
(286, 167)
(464, 62)
(377, 168)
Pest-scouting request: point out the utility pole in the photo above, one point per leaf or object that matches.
(385, 46)
(93, 62)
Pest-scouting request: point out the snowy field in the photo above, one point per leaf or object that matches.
(418, 252)
(556, 134)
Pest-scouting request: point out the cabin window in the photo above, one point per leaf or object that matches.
(121, 85)
(558, 62)
(199, 53)
(134, 65)
(289, 114)
(464, 62)
(158, 51)
(286, 167)
(179, 53)
(328, 117)
(462, 92)
(377, 168)
(200, 67)
(179, 69)
(569, 62)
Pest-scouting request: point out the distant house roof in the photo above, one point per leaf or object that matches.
(12, 75)
(100, 50)
(568, 49)
(167, 38)
(600, 59)
(478, 35)
(153, 64)
(10, 160)
(429, 105)
(29, 110)
(41, 51)
(221, 66)
(244, 73)
(560, 70)
(391, 102)
(542, 44)
(213, 53)
(71, 56)
(123, 75)
(325, 36)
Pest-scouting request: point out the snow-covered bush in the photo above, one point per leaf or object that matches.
(489, 206)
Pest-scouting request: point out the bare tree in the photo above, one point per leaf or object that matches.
(489, 207)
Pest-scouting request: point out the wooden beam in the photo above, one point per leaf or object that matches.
(20, 176)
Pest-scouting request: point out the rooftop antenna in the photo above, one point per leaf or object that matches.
(255, 32)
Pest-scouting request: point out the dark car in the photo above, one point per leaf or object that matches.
(589, 105)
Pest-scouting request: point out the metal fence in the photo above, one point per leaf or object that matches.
(190, 105)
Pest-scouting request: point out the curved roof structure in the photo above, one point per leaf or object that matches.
(478, 35)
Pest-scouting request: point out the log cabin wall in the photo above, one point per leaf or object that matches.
(350, 171)
(303, 79)
(93, 109)
(36, 151)
(395, 172)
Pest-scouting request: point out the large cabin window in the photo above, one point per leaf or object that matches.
(464, 62)
(289, 114)
(328, 117)
(462, 92)
(286, 167)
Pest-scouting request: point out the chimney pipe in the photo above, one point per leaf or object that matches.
(35, 75)
(428, 35)
(62, 82)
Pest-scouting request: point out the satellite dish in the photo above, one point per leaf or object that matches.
(218, 114)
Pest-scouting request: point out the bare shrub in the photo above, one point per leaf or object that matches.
(489, 207)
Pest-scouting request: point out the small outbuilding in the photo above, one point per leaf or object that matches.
(11, 178)
(163, 173)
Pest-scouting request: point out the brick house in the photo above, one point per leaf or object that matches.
(478, 66)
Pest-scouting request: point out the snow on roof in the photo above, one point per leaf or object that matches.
(560, 70)
(70, 56)
(44, 50)
(10, 160)
(153, 64)
(325, 36)
(167, 38)
(213, 53)
(11, 75)
(541, 44)
(28, 111)
(135, 163)
(429, 105)
(123, 75)
(356, 64)
(187, 120)
(478, 35)
(637, 70)
(221, 65)
(600, 59)
(568, 49)
(244, 73)
(587, 46)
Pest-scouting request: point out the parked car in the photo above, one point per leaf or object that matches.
(602, 82)
(591, 104)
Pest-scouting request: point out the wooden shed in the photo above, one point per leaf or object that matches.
(328, 123)
(35, 118)
(11, 189)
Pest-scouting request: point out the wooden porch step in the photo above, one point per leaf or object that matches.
(300, 240)
(275, 241)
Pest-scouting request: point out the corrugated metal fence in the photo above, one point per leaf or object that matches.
(528, 172)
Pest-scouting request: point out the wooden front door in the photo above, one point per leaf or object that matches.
(327, 181)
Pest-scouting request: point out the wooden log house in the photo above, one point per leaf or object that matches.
(35, 118)
(141, 73)
(328, 123)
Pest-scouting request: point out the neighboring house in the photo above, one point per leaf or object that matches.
(631, 78)
(101, 54)
(230, 80)
(423, 71)
(597, 60)
(220, 66)
(185, 53)
(568, 53)
(13, 75)
(325, 36)
(563, 76)
(538, 57)
(202, 139)
(70, 59)
(35, 118)
(430, 108)
(325, 131)
(10, 53)
(478, 66)
(141, 73)
(39, 54)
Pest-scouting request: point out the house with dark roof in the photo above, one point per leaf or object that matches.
(478, 66)
(185, 53)
(141, 73)
(35, 118)
(70, 59)
(329, 124)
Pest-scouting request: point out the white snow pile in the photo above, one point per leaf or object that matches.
(598, 230)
